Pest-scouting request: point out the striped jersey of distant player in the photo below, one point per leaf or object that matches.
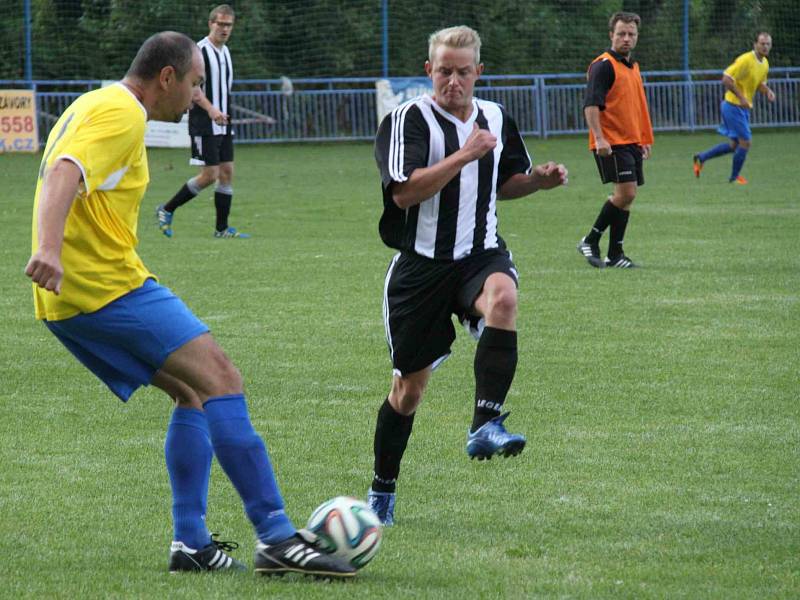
(217, 88)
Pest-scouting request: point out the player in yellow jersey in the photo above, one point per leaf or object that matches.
(94, 293)
(742, 79)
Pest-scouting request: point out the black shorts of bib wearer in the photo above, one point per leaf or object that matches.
(210, 150)
(623, 165)
(421, 295)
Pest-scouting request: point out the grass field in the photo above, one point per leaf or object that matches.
(660, 404)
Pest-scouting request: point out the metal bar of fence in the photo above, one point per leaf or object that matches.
(543, 105)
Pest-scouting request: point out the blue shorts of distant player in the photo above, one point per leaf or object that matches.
(735, 121)
(127, 341)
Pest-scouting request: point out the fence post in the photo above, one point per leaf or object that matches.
(385, 37)
(28, 47)
(688, 89)
(542, 112)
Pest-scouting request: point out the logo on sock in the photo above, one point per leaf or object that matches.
(490, 405)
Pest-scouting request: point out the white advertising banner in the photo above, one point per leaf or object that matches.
(390, 93)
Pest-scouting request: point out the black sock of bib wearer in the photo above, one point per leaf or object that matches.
(618, 226)
(391, 438)
(495, 365)
(222, 202)
(180, 198)
(602, 222)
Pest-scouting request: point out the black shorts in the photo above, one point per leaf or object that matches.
(624, 164)
(210, 150)
(420, 296)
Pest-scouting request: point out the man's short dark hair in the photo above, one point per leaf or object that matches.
(625, 17)
(759, 34)
(164, 49)
(222, 9)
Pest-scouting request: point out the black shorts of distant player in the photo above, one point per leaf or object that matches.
(623, 165)
(421, 295)
(211, 150)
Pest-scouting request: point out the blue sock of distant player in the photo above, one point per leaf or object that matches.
(738, 161)
(244, 458)
(188, 453)
(718, 150)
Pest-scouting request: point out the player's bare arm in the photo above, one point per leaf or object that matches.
(542, 177)
(731, 86)
(767, 91)
(60, 187)
(216, 115)
(425, 182)
(592, 114)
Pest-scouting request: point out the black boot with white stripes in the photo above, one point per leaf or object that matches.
(591, 251)
(620, 262)
(211, 558)
(296, 555)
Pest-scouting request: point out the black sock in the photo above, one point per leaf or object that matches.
(601, 224)
(222, 202)
(391, 437)
(617, 236)
(182, 197)
(495, 365)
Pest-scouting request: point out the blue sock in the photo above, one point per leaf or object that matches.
(718, 150)
(188, 453)
(244, 458)
(738, 161)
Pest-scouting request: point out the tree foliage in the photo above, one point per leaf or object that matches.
(96, 39)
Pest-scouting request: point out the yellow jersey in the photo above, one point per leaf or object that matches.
(102, 132)
(748, 73)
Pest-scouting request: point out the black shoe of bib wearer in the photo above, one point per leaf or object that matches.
(591, 252)
(620, 262)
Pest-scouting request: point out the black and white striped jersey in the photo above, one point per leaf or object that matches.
(217, 88)
(462, 218)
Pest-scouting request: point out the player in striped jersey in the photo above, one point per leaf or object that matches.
(444, 161)
(210, 130)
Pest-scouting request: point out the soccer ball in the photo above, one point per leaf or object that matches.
(348, 528)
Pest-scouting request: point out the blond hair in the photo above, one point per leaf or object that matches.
(222, 9)
(460, 36)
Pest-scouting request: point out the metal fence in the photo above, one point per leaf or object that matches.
(543, 105)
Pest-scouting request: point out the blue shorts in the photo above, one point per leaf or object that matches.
(127, 341)
(735, 121)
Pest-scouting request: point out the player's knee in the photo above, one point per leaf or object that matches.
(225, 174)
(224, 377)
(188, 401)
(406, 395)
(503, 305)
(208, 176)
(745, 144)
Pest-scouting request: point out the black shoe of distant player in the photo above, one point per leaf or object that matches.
(211, 558)
(620, 262)
(296, 555)
(591, 252)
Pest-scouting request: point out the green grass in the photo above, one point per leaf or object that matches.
(660, 404)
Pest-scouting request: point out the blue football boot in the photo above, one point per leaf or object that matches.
(164, 220)
(231, 232)
(492, 438)
(382, 503)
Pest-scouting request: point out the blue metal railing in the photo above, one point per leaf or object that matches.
(330, 109)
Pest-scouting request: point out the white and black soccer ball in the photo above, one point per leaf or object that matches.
(346, 527)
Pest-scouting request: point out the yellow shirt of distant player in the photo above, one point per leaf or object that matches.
(102, 132)
(748, 73)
